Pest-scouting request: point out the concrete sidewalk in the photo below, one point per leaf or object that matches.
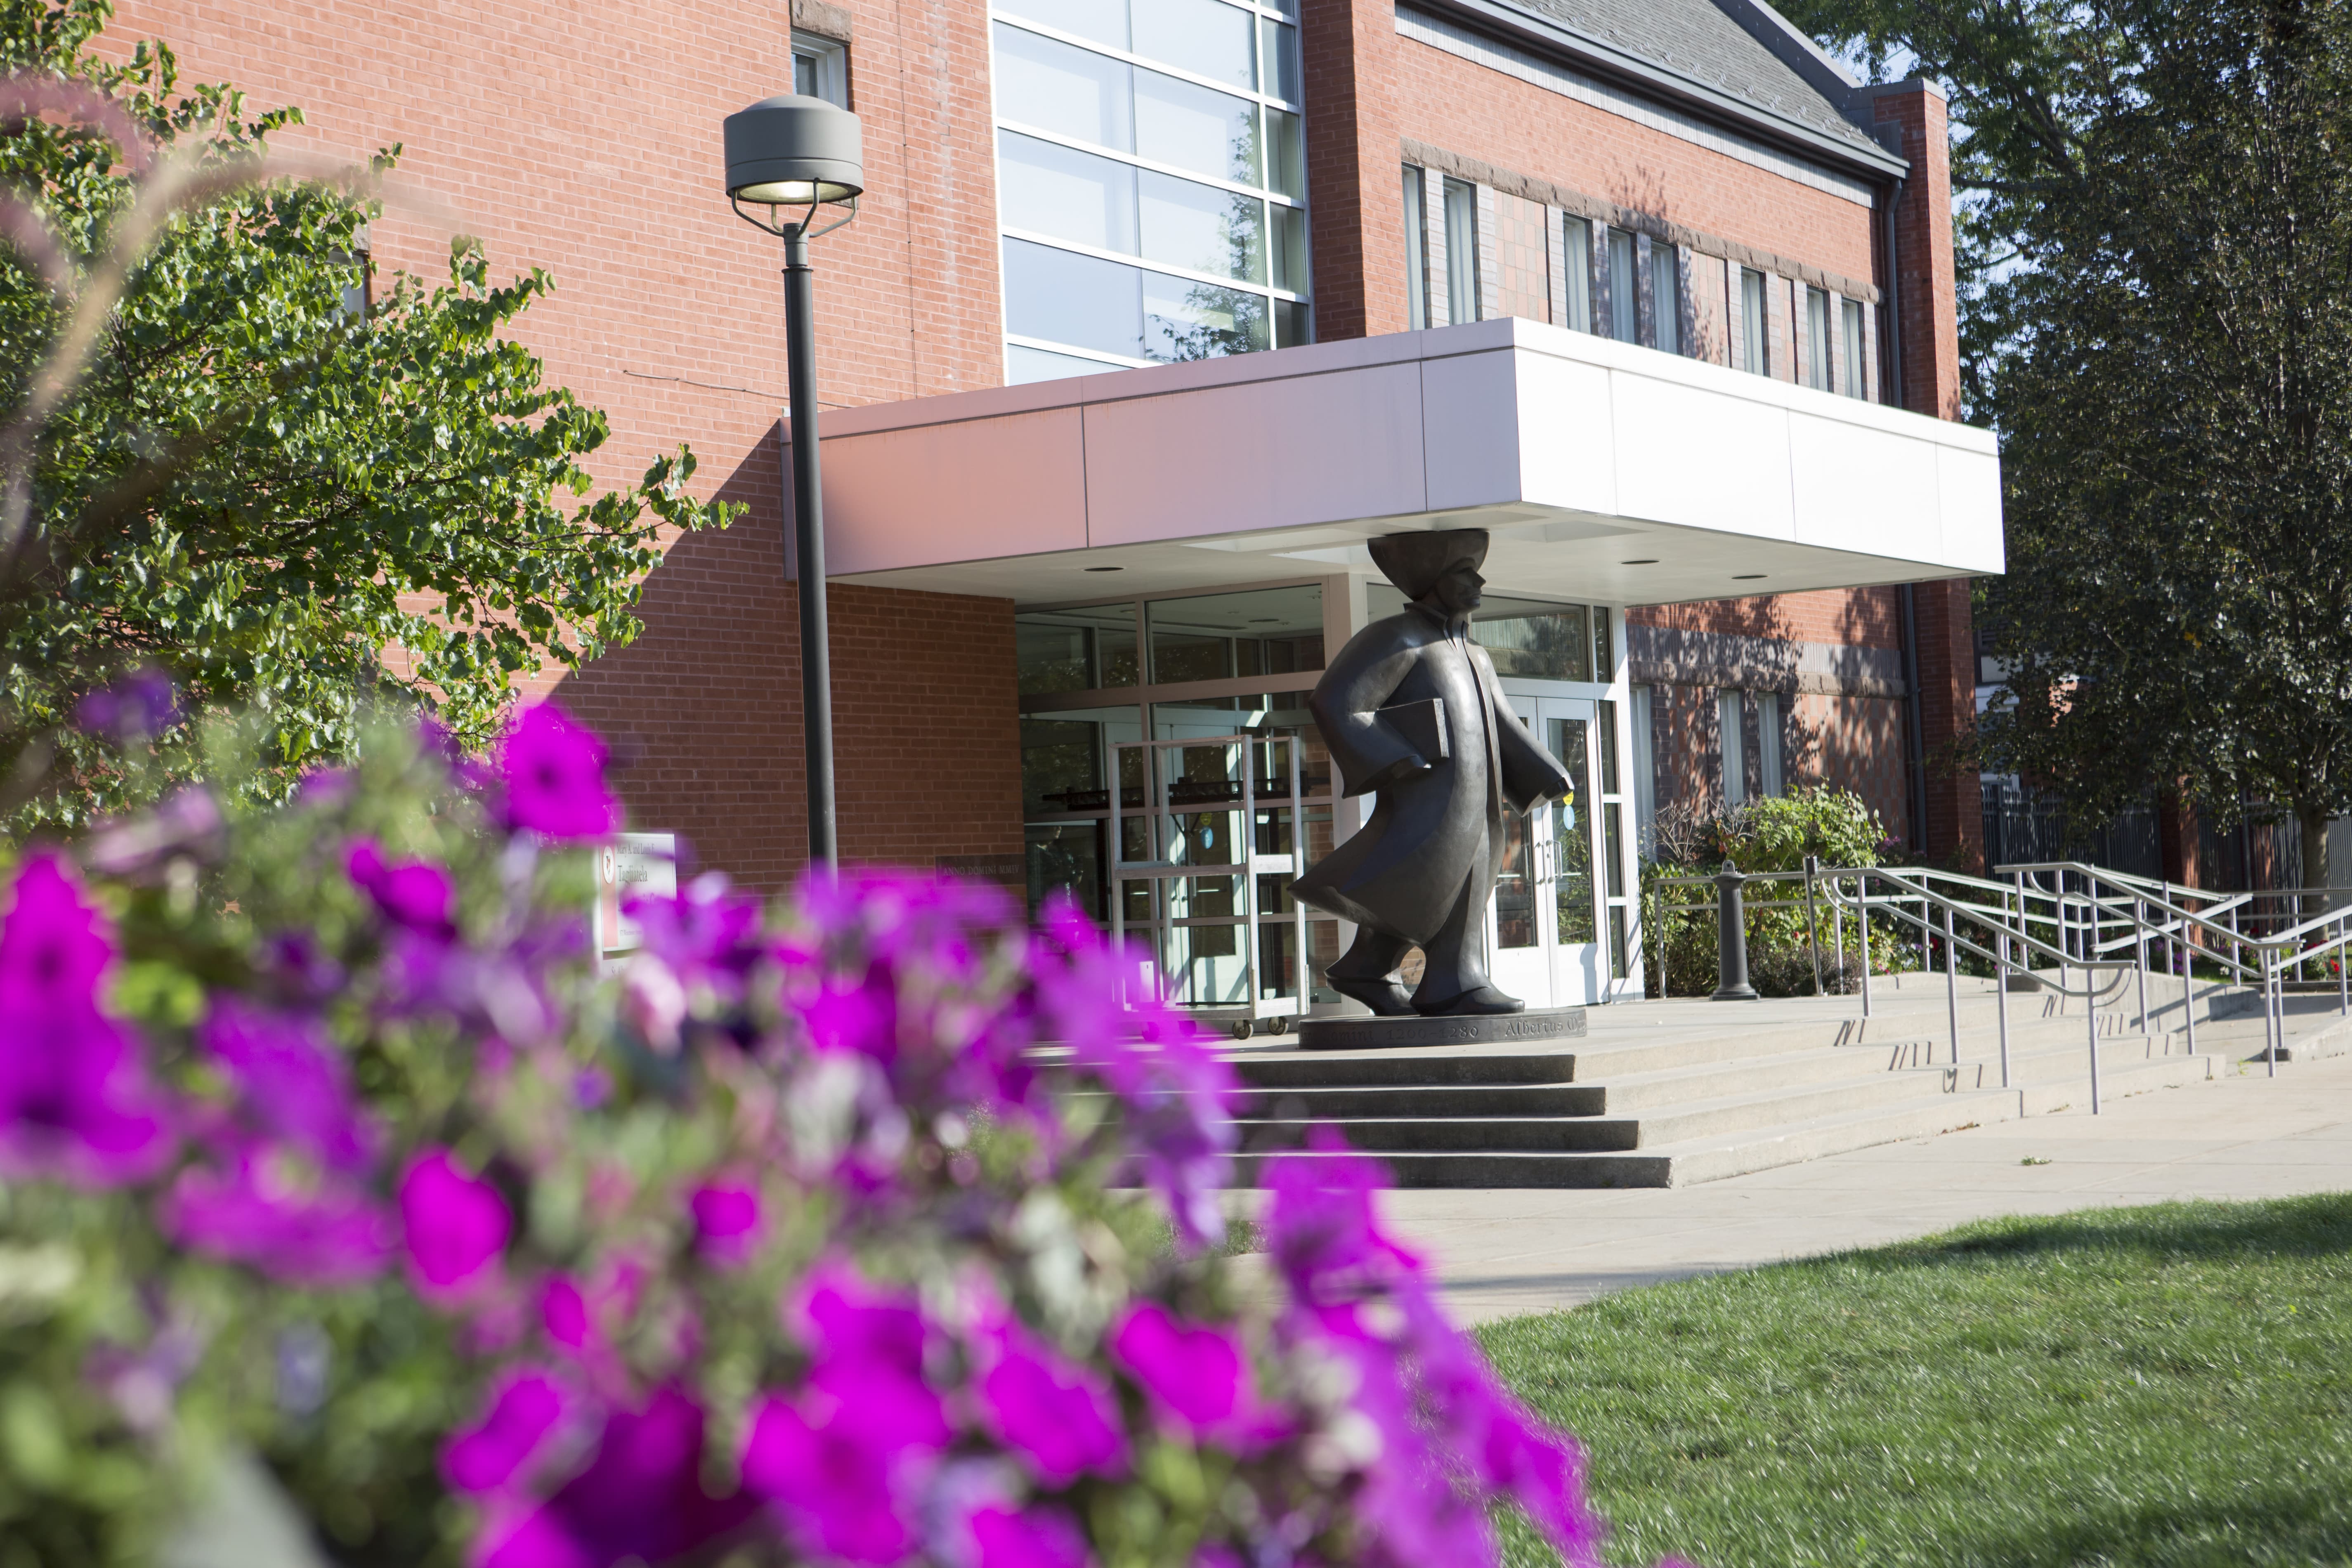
(1500, 1253)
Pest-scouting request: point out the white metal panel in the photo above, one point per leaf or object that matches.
(1703, 458)
(1470, 411)
(1971, 490)
(969, 491)
(1864, 489)
(1284, 453)
(1568, 452)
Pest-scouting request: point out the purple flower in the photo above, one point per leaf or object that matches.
(727, 1219)
(555, 774)
(455, 1225)
(1059, 1415)
(1032, 1538)
(1196, 1376)
(293, 1223)
(73, 1100)
(135, 708)
(641, 1497)
(413, 895)
(705, 937)
(292, 1084)
(526, 1411)
(186, 822)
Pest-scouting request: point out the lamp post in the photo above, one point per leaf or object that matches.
(783, 152)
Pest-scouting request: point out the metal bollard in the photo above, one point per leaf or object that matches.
(1731, 937)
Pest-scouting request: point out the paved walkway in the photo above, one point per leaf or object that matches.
(1500, 1253)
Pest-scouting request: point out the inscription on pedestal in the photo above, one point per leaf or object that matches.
(1491, 1029)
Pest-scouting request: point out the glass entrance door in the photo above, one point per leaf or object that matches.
(1545, 937)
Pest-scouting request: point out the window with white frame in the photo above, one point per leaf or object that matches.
(1755, 331)
(1850, 323)
(1417, 247)
(1767, 741)
(1624, 300)
(1576, 234)
(1817, 339)
(821, 68)
(1731, 710)
(1461, 251)
(1666, 297)
(1151, 180)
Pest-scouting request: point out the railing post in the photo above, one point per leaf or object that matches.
(1813, 922)
(1837, 926)
(2091, 1012)
(1663, 940)
(2188, 986)
(2273, 1024)
(2343, 978)
(1862, 932)
(1927, 936)
(2139, 955)
(2058, 920)
(1952, 984)
(2001, 983)
(1731, 937)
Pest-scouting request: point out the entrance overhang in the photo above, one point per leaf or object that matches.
(1606, 471)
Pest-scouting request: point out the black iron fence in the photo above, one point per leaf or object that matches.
(2022, 826)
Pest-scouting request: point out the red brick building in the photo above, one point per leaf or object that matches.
(1643, 289)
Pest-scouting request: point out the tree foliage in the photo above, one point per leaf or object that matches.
(2158, 227)
(252, 476)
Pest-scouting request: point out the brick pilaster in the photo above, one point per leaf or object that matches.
(1354, 162)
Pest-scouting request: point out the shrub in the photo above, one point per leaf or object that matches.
(833, 1232)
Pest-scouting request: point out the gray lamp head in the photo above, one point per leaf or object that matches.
(793, 150)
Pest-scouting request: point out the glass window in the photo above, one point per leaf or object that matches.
(1101, 21)
(1817, 339)
(1023, 365)
(1071, 299)
(820, 68)
(1666, 296)
(1056, 190)
(1286, 154)
(1416, 252)
(1542, 642)
(1572, 837)
(1606, 718)
(1604, 651)
(1730, 724)
(1850, 311)
(1069, 91)
(1293, 323)
(1281, 49)
(1754, 332)
(1767, 739)
(1287, 231)
(1624, 295)
(1578, 257)
(1084, 649)
(1206, 37)
(1184, 321)
(1461, 251)
(1188, 126)
(1202, 227)
(1214, 637)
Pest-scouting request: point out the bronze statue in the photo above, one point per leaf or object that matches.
(1410, 708)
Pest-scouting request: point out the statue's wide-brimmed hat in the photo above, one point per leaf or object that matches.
(1414, 562)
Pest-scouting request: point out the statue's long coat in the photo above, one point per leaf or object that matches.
(1402, 871)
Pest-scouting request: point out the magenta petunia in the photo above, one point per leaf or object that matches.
(839, 1466)
(1197, 1375)
(1059, 1415)
(525, 1412)
(73, 1100)
(144, 704)
(640, 1497)
(413, 895)
(728, 1220)
(455, 1225)
(1030, 1538)
(554, 775)
(293, 1083)
(291, 1221)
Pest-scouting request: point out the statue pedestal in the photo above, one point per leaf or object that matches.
(1365, 1033)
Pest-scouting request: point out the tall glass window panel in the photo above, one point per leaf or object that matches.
(1082, 301)
(1047, 188)
(1646, 776)
(1768, 741)
(1576, 233)
(1416, 250)
(1069, 91)
(1573, 900)
(1202, 227)
(1734, 747)
(1286, 154)
(1099, 21)
(1024, 365)
(1850, 342)
(1293, 323)
(1754, 329)
(1286, 229)
(1461, 251)
(1213, 636)
(1606, 714)
(1187, 321)
(1624, 300)
(1516, 910)
(1604, 652)
(1188, 126)
(1089, 649)
(1280, 46)
(1206, 37)
(1817, 339)
(1666, 296)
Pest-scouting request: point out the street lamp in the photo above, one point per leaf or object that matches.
(782, 152)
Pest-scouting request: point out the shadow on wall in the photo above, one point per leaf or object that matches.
(704, 709)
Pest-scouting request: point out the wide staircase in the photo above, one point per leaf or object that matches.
(1665, 1093)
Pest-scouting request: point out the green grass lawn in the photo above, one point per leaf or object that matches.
(2167, 1385)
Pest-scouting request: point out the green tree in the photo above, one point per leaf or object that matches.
(224, 459)
(2155, 229)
